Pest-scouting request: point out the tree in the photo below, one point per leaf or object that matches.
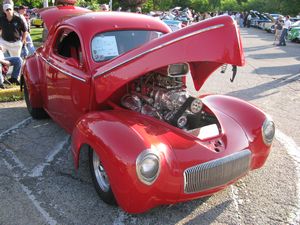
(201, 5)
(214, 3)
(230, 5)
(182, 3)
(162, 4)
(131, 4)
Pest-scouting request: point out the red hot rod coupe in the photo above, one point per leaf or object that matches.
(117, 83)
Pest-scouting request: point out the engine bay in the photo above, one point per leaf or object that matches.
(166, 98)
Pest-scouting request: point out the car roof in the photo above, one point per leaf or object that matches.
(87, 21)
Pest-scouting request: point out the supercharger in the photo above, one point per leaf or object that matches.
(164, 97)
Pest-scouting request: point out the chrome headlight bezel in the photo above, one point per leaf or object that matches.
(268, 131)
(148, 154)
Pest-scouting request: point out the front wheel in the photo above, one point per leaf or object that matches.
(100, 178)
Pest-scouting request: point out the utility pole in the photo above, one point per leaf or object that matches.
(45, 3)
(110, 5)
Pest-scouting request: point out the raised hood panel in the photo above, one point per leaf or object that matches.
(52, 15)
(205, 46)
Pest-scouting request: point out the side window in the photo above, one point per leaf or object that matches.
(68, 45)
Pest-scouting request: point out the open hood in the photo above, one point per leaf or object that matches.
(52, 15)
(205, 46)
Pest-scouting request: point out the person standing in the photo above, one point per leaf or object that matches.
(278, 29)
(286, 27)
(29, 47)
(249, 18)
(14, 31)
(245, 19)
(242, 19)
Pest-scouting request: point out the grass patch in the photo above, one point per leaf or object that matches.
(36, 34)
(12, 93)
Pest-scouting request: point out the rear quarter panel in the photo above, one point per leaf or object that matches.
(34, 76)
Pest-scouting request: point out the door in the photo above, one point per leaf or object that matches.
(68, 85)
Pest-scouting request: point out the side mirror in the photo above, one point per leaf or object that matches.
(72, 62)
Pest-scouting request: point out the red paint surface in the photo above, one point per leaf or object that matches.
(119, 135)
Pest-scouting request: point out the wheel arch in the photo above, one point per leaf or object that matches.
(118, 145)
(31, 76)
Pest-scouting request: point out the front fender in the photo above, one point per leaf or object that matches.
(31, 75)
(249, 117)
(118, 138)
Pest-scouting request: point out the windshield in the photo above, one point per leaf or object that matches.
(108, 45)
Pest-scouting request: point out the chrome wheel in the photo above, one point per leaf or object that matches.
(100, 174)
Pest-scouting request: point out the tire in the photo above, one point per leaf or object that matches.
(100, 179)
(36, 113)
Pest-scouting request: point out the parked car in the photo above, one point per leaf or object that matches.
(294, 32)
(267, 25)
(296, 24)
(276, 15)
(258, 19)
(117, 83)
(174, 24)
(294, 19)
(36, 21)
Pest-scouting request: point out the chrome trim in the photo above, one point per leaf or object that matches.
(62, 71)
(181, 75)
(161, 46)
(217, 172)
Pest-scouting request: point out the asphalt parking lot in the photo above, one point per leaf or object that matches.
(38, 183)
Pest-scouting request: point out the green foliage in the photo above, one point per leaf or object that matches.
(131, 4)
(91, 4)
(230, 5)
(215, 4)
(29, 3)
(291, 7)
(12, 93)
(182, 3)
(36, 34)
(148, 6)
(163, 5)
(258, 5)
(201, 5)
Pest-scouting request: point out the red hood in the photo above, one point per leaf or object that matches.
(205, 46)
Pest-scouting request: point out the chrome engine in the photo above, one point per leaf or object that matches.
(163, 97)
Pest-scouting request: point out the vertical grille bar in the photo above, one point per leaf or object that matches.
(216, 172)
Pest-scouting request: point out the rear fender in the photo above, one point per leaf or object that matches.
(118, 138)
(249, 117)
(31, 75)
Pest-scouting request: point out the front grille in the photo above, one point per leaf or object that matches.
(217, 172)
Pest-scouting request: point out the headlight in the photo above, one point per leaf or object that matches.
(148, 166)
(268, 131)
